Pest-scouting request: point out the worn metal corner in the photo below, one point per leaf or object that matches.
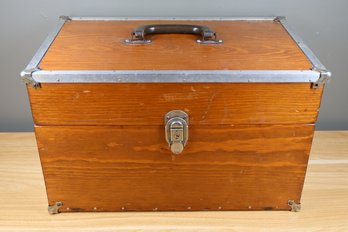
(27, 77)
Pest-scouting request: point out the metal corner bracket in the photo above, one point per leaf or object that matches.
(325, 76)
(279, 18)
(65, 18)
(295, 207)
(27, 77)
(33, 66)
(54, 209)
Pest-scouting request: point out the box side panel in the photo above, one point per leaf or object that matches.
(146, 104)
(94, 168)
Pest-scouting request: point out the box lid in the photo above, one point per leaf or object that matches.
(252, 50)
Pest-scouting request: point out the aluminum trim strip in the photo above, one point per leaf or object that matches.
(172, 18)
(33, 64)
(176, 76)
(306, 50)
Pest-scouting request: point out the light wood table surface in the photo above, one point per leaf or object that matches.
(23, 204)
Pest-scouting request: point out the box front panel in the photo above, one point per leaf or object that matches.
(125, 168)
(147, 103)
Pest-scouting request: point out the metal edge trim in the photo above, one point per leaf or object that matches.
(165, 76)
(32, 67)
(172, 18)
(325, 75)
(176, 76)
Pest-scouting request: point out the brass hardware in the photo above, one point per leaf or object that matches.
(54, 209)
(295, 207)
(176, 130)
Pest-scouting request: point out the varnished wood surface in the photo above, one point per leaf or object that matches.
(324, 201)
(130, 168)
(248, 45)
(146, 104)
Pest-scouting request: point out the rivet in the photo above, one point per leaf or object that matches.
(189, 208)
(155, 209)
(95, 208)
(123, 208)
(249, 207)
(67, 209)
(220, 207)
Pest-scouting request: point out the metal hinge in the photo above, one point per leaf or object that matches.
(54, 209)
(27, 77)
(65, 18)
(324, 77)
(295, 207)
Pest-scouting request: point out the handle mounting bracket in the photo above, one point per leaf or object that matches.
(138, 35)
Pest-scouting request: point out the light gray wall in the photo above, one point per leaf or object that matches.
(322, 24)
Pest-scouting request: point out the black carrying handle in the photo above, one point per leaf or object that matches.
(208, 36)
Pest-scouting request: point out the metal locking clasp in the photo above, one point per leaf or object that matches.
(176, 130)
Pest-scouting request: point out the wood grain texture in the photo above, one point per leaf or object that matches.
(24, 203)
(248, 45)
(110, 168)
(146, 104)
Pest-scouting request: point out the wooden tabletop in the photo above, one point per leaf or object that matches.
(324, 201)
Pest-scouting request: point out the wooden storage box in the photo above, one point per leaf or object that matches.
(174, 114)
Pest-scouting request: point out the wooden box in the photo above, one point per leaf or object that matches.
(174, 114)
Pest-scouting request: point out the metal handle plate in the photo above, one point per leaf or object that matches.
(176, 130)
